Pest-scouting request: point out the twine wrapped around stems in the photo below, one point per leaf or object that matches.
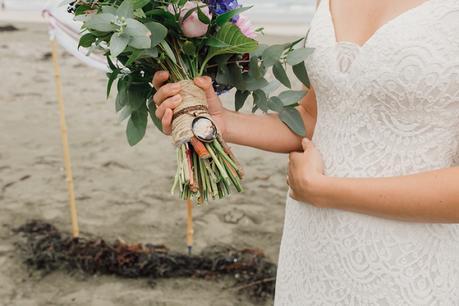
(194, 104)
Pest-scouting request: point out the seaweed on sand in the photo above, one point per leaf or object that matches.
(45, 248)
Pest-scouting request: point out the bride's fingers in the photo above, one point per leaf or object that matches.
(205, 83)
(160, 78)
(170, 103)
(166, 92)
(166, 121)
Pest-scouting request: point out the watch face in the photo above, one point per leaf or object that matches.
(204, 129)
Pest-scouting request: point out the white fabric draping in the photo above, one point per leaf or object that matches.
(67, 32)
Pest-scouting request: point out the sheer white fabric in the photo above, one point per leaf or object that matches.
(387, 108)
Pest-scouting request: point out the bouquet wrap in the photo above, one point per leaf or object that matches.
(194, 105)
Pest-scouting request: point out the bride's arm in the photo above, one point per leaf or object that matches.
(267, 132)
(425, 197)
(431, 196)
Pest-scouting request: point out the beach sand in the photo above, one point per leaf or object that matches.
(122, 192)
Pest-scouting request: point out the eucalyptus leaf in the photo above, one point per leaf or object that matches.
(292, 118)
(260, 100)
(137, 126)
(299, 55)
(300, 71)
(240, 98)
(281, 75)
(275, 104)
(291, 97)
(109, 9)
(272, 54)
(118, 44)
(255, 84)
(126, 9)
(254, 68)
(139, 34)
(259, 51)
(101, 22)
(158, 32)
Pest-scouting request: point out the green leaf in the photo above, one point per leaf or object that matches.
(101, 22)
(272, 54)
(292, 97)
(87, 40)
(260, 100)
(126, 9)
(111, 78)
(203, 17)
(275, 104)
(139, 13)
(152, 110)
(255, 84)
(189, 48)
(292, 118)
(254, 68)
(137, 126)
(271, 87)
(299, 55)
(158, 32)
(281, 75)
(165, 46)
(300, 71)
(240, 98)
(121, 97)
(109, 9)
(229, 39)
(134, 56)
(259, 51)
(118, 44)
(138, 4)
(226, 17)
(139, 34)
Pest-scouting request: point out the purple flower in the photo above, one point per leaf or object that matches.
(219, 7)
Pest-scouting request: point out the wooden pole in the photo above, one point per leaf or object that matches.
(189, 225)
(65, 140)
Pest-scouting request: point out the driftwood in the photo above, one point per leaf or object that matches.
(45, 248)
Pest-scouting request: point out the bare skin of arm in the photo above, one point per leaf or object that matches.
(265, 132)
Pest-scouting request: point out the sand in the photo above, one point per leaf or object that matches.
(122, 192)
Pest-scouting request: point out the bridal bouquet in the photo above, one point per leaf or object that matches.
(191, 39)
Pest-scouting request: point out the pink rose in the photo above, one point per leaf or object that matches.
(246, 26)
(192, 26)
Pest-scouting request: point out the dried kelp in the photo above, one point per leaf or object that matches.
(44, 247)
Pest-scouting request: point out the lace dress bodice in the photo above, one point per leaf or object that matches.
(387, 108)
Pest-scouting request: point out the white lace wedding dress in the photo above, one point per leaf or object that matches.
(387, 108)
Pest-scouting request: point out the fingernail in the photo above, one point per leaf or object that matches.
(305, 140)
(177, 98)
(175, 86)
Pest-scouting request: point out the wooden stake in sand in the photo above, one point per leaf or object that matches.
(189, 225)
(64, 137)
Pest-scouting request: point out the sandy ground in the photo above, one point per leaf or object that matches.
(121, 191)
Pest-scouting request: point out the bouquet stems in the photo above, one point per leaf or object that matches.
(206, 171)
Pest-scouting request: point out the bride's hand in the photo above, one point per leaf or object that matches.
(306, 174)
(167, 98)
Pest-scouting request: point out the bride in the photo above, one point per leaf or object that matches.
(372, 215)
